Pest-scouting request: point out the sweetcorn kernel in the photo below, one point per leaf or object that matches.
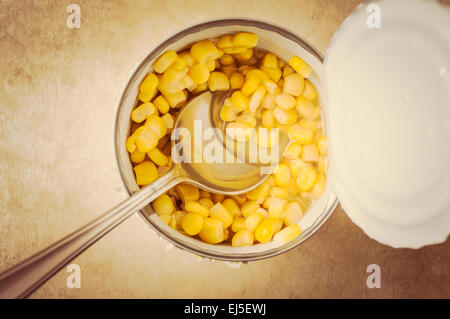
(239, 101)
(279, 192)
(187, 192)
(177, 99)
(304, 107)
(196, 208)
(158, 157)
(163, 205)
(309, 91)
(157, 125)
(207, 202)
(301, 134)
(322, 145)
(146, 173)
(287, 70)
(232, 206)
(282, 175)
(266, 229)
(300, 66)
(192, 223)
(220, 212)
(249, 208)
(294, 84)
(227, 112)
(242, 238)
(244, 56)
(273, 73)
(211, 65)
(218, 81)
(275, 206)
(293, 213)
(137, 157)
(256, 99)
(143, 111)
(259, 192)
(270, 60)
(319, 187)
(267, 120)
(293, 150)
(245, 39)
(238, 224)
(226, 59)
(306, 178)
(145, 139)
(310, 153)
(236, 80)
(252, 221)
(212, 232)
(285, 117)
(147, 89)
(204, 51)
(199, 73)
(250, 85)
(164, 61)
(218, 198)
(285, 101)
(287, 234)
(162, 105)
(168, 121)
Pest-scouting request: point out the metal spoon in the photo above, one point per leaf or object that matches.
(225, 178)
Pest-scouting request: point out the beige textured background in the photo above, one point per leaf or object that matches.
(59, 91)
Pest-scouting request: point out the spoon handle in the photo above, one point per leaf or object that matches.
(22, 279)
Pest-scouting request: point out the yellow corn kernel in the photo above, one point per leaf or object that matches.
(252, 221)
(131, 143)
(146, 96)
(270, 60)
(322, 145)
(146, 173)
(187, 192)
(263, 76)
(165, 219)
(177, 217)
(234, 50)
(306, 178)
(227, 112)
(287, 70)
(188, 57)
(157, 125)
(137, 157)
(296, 166)
(204, 51)
(211, 64)
(199, 73)
(322, 165)
(319, 186)
(259, 192)
(248, 208)
(310, 153)
(158, 157)
(239, 101)
(196, 208)
(240, 131)
(143, 111)
(232, 206)
(256, 99)
(218, 198)
(282, 175)
(263, 212)
(145, 139)
(220, 212)
(208, 203)
(281, 64)
(250, 85)
(293, 150)
(163, 205)
(272, 87)
(177, 99)
(311, 124)
(267, 120)
(285, 101)
(242, 238)
(172, 81)
(300, 66)
(164, 61)
(240, 199)
(200, 88)
(218, 81)
(168, 121)
(275, 206)
(236, 80)
(301, 134)
(245, 39)
(225, 41)
(293, 187)
(162, 105)
(212, 232)
(188, 83)
(293, 213)
(266, 229)
(192, 224)
(226, 59)
(179, 64)
(287, 234)
(248, 118)
(309, 92)
(244, 56)
(204, 194)
(148, 86)
(273, 73)
(304, 107)
(279, 192)
(285, 117)
(294, 84)
(238, 224)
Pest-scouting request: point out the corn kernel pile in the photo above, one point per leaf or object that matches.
(266, 92)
